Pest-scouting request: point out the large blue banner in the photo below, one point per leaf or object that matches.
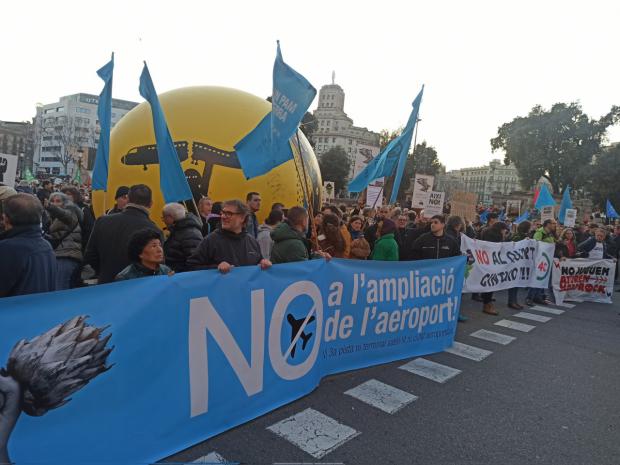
(163, 363)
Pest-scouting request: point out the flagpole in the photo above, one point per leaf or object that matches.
(415, 141)
(304, 187)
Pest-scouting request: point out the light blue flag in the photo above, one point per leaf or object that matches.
(104, 113)
(408, 134)
(565, 205)
(383, 165)
(172, 180)
(611, 211)
(544, 198)
(484, 216)
(524, 217)
(268, 146)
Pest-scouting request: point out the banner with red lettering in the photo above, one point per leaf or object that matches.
(495, 266)
(583, 279)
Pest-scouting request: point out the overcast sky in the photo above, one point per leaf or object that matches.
(483, 63)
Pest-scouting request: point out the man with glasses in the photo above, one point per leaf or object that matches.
(253, 200)
(231, 245)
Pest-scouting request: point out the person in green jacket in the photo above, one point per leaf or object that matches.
(289, 239)
(546, 233)
(386, 247)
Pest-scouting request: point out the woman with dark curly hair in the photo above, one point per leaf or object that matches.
(330, 237)
(147, 256)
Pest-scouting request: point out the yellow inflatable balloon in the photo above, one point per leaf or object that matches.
(205, 124)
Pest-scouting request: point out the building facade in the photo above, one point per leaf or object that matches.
(66, 133)
(335, 128)
(17, 138)
(487, 180)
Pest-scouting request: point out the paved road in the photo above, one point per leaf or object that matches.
(549, 396)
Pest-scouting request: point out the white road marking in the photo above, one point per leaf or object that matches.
(533, 317)
(381, 395)
(553, 311)
(211, 458)
(431, 370)
(565, 305)
(516, 326)
(470, 352)
(492, 336)
(313, 432)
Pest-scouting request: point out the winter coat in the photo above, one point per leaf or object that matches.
(386, 248)
(137, 270)
(28, 264)
(65, 232)
(225, 246)
(107, 249)
(406, 251)
(252, 225)
(562, 249)
(429, 246)
(185, 235)
(331, 246)
(346, 235)
(360, 249)
(264, 240)
(586, 247)
(289, 245)
(541, 235)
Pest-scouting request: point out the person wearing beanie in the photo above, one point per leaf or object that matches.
(386, 247)
(121, 200)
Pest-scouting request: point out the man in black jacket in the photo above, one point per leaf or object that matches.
(27, 261)
(185, 235)
(436, 243)
(230, 245)
(107, 249)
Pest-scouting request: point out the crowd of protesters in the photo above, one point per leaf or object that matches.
(50, 240)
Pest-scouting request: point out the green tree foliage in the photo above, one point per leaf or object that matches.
(335, 165)
(559, 143)
(308, 126)
(603, 177)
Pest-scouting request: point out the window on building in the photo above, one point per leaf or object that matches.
(59, 109)
(82, 110)
(50, 110)
(334, 140)
(350, 141)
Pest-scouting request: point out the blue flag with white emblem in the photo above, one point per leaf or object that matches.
(611, 211)
(565, 205)
(104, 113)
(267, 145)
(383, 165)
(172, 180)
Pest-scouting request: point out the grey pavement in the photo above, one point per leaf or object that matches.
(550, 396)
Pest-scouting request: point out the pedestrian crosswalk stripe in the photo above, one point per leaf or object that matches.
(553, 311)
(313, 432)
(211, 458)
(533, 317)
(565, 305)
(381, 395)
(516, 326)
(431, 370)
(467, 351)
(492, 336)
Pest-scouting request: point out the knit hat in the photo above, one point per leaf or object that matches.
(122, 190)
(6, 191)
(388, 227)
